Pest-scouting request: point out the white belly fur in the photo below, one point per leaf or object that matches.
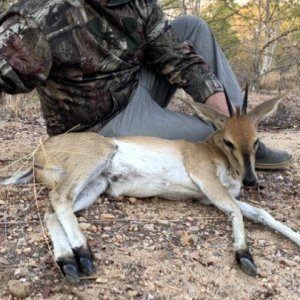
(139, 172)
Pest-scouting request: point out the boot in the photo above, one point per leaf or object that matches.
(270, 159)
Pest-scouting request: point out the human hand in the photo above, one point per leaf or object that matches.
(218, 102)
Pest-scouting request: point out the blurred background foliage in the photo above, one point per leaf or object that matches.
(261, 38)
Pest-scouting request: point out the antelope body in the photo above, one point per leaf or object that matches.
(78, 167)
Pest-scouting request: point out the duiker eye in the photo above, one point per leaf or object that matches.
(229, 144)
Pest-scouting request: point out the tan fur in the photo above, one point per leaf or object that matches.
(62, 155)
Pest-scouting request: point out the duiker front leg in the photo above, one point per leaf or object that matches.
(80, 258)
(220, 197)
(260, 215)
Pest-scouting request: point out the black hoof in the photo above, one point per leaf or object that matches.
(69, 268)
(245, 260)
(84, 258)
(86, 266)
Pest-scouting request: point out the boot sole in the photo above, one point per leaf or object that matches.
(275, 166)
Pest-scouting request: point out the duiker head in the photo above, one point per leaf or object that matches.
(236, 134)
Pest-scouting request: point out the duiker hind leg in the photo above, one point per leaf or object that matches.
(65, 201)
(80, 260)
(62, 249)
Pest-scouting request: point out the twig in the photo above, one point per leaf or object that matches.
(97, 276)
(6, 160)
(286, 208)
(254, 202)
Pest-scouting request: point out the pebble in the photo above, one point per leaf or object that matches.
(106, 217)
(133, 293)
(84, 226)
(119, 198)
(177, 252)
(119, 237)
(280, 177)
(149, 227)
(19, 251)
(132, 200)
(194, 238)
(163, 222)
(194, 228)
(101, 280)
(186, 254)
(211, 260)
(19, 289)
(151, 286)
(27, 250)
(287, 262)
(263, 274)
(17, 272)
(98, 256)
(94, 228)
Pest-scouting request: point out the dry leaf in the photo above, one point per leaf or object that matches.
(195, 255)
(46, 292)
(185, 239)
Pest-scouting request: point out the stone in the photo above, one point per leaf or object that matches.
(19, 289)
(84, 226)
(132, 200)
(263, 274)
(106, 217)
(149, 227)
(101, 280)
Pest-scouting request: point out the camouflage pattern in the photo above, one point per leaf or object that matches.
(83, 57)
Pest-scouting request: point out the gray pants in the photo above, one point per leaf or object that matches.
(146, 113)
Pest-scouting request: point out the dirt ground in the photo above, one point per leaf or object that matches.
(152, 248)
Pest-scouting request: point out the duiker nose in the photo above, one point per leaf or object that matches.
(249, 181)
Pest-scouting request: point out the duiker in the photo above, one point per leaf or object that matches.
(78, 167)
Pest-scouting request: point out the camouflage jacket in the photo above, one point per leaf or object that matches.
(83, 57)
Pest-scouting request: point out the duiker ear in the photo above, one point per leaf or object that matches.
(264, 110)
(207, 114)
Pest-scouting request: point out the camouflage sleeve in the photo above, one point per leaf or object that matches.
(178, 61)
(25, 56)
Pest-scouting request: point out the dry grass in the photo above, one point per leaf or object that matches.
(280, 80)
(20, 106)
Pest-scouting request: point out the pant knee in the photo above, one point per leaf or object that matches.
(186, 25)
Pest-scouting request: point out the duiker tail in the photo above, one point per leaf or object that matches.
(22, 177)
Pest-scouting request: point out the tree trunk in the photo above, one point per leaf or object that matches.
(271, 30)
